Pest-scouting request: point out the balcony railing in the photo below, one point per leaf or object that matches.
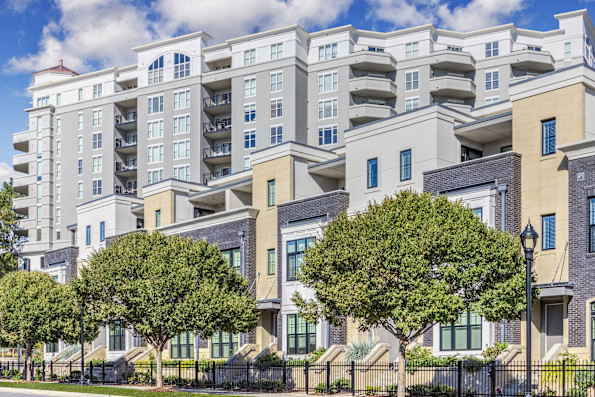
(129, 141)
(129, 188)
(128, 165)
(218, 125)
(217, 100)
(129, 117)
(217, 151)
(217, 174)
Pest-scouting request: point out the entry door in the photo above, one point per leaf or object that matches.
(554, 328)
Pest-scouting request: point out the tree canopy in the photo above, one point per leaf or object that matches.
(9, 220)
(162, 285)
(410, 262)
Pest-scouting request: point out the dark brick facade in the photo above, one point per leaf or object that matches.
(498, 169)
(64, 256)
(324, 205)
(581, 262)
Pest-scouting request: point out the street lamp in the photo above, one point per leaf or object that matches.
(529, 241)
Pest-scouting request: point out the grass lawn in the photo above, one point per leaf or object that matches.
(118, 391)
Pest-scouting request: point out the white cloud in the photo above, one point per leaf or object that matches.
(19, 6)
(402, 13)
(7, 172)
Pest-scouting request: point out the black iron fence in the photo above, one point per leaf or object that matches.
(461, 379)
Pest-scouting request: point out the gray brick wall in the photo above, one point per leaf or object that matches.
(328, 204)
(499, 169)
(67, 256)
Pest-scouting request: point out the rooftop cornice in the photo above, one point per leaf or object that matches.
(179, 39)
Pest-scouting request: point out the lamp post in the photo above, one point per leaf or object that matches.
(82, 380)
(529, 240)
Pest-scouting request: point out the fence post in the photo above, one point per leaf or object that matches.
(25, 370)
(51, 370)
(284, 373)
(214, 376)
(195, 373)
(459, 378)
(91, 371)
(103, 372)
(150, 365)
(306, 370)
(563, 377)
(179, 373)
(328, 377)
(43, 370)
(353, 378)
(493, 378)
(69, 370)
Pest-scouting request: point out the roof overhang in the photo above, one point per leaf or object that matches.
(489, 129)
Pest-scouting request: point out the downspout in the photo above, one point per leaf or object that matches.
(502, 190)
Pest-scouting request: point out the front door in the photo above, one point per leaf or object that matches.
(554, 325)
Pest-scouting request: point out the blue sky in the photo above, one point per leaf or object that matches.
(93, 34)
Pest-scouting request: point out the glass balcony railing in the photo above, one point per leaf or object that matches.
(217, 151)
(217, 100)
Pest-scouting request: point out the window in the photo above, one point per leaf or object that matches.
(182, 149)
(80, 166)
(39, 146)
(58, 170)
(58, 99)
(454, 48)
(468, 153)
(58, 193)
(181, 99)
(548, 230)
(224, 344)
(80, 144)
(548, 135)
(102, 231)
(58, 215)
(80, 190)
(157, 218)
(567, 51)
(592, 225)
(406, 165)
(97, 90)
(535, 48)
(507, 148)
(249, 139)
(276, 108)
(38, 217)
(182, 346)
(491, 49)
(39, 170)
(80, 94)
(327, 135)
(411, 104)
(250, 57)
(301, 335)
(373, 173)
(295, 253)
(181, 66)
(327, 109)
(58, 147)
(277, 51)
(328, 82)
(156, 129)
(88, 235)
(492, 99)
(58, 125)
(182, 173)
(97, 118)
(465, 334)
(412, 81)
(234, 258)
(478, 212)
(276, 135)
(181, 124)
(155, 154)
(154, 176)
(492, 80)
(156, 71)
(155, 105)
(97, 164)
(39, 193)
(247, 164)
(97, 140)
(271, 261)
(411, 50)
(97, 187)
(249, 112)
(117, 337)
(250, 87)
(57, 238)
(271, 193)
(51, 347)
(327, 51)
(276, 81)
(43, 101)
(80, 121)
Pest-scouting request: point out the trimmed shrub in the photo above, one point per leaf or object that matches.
(357, 351)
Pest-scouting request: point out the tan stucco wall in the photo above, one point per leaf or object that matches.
(163, 201)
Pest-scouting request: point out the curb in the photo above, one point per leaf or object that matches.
(33, 392)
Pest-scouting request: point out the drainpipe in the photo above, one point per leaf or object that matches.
(243, 270)
(502, 190)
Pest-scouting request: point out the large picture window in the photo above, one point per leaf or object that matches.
(295, 253)
(234, 257)
(465, 334)
(182, 346)
(224, 344)
(301, 335)
(117, 337)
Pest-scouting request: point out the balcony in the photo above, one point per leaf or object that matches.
(21, 205)
(20, 140)
(129, 188)
(125, 145)
(219, 154)
(218, 104)
(27, 224)
(536, 61)
(126, 168)
(367, 112)
(456, 61)
(21, 183)
(126, 121)
(214, 175)
(452, 86)
(373, 61)
(21, 161)
(369, 86)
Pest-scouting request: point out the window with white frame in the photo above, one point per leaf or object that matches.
(328, 82)
(492, 99)
(181, 65)
(492, 49)
(327, 51)
(58, 193)
(492, 80)
(58, 170)
(411, 50)
(96, 187)
(182, 149)
(327, 109)
(250, 56)
(80, 144)
(80, 166)
(80, 190)
(155, 104)
(43, 101)
(154, 176)
(411, 104)
(327, 135)
(97, 118)
(412, 81)
(182, 172)
(454, 48)
(155, 129)
(250, 86)
(155, 154)
(97, 140)
(97, 164)
(58, 215)
(276, 81)
(58, 147)
(156, 71)
(182, 124)
(277, 51)
(567, 51)
(249, 112)
(182, 99)
(249, 139)
(80, 121)
(58, 125)
(276, 135)
(247, 164)
(39, 192)
(58, 99)
(97, 90)
(276, 108)
(81, 94)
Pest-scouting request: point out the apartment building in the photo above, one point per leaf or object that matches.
(319, 123)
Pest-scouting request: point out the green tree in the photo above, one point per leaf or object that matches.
(162, 285)
(36, 309)
(10, 243)
(409, 263)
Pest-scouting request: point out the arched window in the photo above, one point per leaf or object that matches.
(156, 71)
(181, 66)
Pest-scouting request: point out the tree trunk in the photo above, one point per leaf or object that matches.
(29, 348)
(159, 366)
(402, 364)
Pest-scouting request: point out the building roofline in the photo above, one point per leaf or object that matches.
(266, 33)
(489, 118)
(203, 35)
